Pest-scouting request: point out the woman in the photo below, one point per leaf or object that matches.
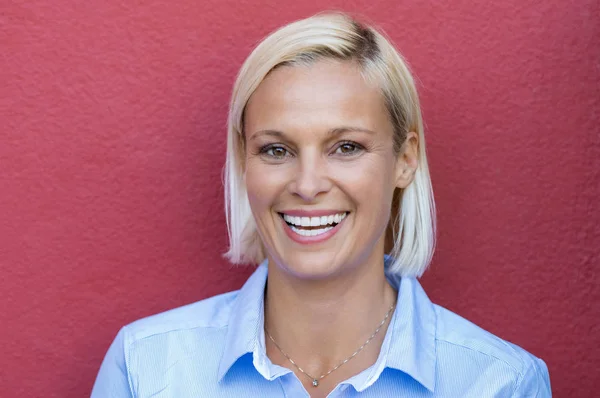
(325, 165)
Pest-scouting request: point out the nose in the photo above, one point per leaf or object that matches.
(311, 178)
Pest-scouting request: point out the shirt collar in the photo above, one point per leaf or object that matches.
(409, 345)
(245, 331)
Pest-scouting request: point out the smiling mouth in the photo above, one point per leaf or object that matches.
(313, 226)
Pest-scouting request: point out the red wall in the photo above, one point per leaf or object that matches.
(112, 138)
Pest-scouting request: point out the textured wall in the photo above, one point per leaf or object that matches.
(112, 132)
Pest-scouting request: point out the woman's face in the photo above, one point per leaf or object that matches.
(320, 168)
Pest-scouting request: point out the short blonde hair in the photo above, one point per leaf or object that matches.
(335, 36)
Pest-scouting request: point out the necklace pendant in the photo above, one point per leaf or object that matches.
(315, 383)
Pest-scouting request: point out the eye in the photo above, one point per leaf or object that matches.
(275, 151)
(348, 148)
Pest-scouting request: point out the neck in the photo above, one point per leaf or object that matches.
(321, 322)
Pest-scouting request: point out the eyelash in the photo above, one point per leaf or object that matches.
(357, 148)
(270, 147)
(265, 150)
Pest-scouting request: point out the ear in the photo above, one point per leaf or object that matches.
(407, 160)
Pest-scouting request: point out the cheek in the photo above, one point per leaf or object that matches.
(371, 178)
(262, 192)
(371, 186)
(256, 190)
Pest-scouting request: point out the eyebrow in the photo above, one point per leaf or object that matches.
(331, 132)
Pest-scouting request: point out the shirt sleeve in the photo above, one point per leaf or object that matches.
(113, 378)
(535, 383)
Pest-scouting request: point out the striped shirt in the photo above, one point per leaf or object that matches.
(216, 348)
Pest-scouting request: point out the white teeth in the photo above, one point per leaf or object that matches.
(310, 232)
(314, 221)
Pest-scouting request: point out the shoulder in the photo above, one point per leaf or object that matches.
(207, 314)
(461, 333)
(149, 354)
(145, 353)
(460, 340)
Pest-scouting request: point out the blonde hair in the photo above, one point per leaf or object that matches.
(335, 36)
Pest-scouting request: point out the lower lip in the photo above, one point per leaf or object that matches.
(305, 240)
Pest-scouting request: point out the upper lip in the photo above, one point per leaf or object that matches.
(312, 213)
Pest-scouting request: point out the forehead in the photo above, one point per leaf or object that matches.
(320, 96)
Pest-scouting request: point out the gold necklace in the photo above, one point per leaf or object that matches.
(315, 380)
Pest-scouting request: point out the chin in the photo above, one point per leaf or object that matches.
(312, 265)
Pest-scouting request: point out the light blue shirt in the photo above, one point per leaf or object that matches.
(216, 348)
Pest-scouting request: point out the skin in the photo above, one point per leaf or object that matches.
(319, 137)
